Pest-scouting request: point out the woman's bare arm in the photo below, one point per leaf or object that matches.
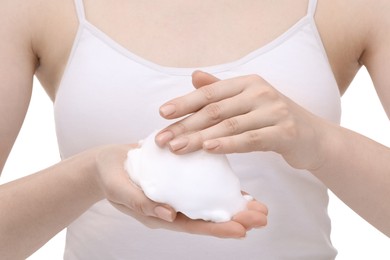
(356, 168)
(17, 66)
(365, 174)
(36, 207)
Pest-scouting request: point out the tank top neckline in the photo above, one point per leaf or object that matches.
(85, 24)
(185, 71)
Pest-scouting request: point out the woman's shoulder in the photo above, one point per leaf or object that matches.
(36, 21)
(49, 27)
(346, 28)
(354, 18)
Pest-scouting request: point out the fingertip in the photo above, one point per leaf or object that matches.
(196, 73)
(167, 110)
(262, 222)
(241, 233)
(257, 206)
(201, 78)
(163, 138)
(250, 219)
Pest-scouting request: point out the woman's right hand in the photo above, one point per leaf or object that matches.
(36, 207)
(117, 187)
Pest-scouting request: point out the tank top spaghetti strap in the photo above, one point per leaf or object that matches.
(79, 4)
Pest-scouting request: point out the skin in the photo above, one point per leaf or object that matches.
(353, 166)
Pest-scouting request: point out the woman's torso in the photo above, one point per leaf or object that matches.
(115, 81)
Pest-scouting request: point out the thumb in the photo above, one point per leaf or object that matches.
(200, 79)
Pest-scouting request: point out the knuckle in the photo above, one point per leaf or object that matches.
(290, 129)
(208, 92)
(138, 206)
(179, 128)
(271, 94)
(253, 139)
(213, 111)
(197, 139)
(281, 110)
(254, 78)
(261, 88)
(255, 142)
(264, 94)
(232, 125)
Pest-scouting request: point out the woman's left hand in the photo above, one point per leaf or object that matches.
(243, 114)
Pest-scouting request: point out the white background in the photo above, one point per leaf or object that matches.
(354, 238)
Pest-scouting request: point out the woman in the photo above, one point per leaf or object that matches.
(275, 74)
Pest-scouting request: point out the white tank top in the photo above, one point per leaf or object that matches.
(110, 95)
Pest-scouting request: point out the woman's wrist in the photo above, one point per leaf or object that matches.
(327, 145)
(93, 174)
(85, 166)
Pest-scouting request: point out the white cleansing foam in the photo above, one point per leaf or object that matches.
(199, 185)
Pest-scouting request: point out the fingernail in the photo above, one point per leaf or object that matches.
(163, 213)
(167, 110)
(211, 144)
(164, 137)
(179, 143)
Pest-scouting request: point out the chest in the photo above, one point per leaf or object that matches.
(192, 34)
(197, 33)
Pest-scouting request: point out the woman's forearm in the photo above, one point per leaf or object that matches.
(357, 170)
(35, 208)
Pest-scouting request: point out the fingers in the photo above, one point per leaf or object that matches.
(221, 109)
(199, 98)
(120, 190)
(236, 131)
(126, 197)
(208, 116)
(254, 217)
(230, 229)
(257, 206)
(133, 202)
(264, 139)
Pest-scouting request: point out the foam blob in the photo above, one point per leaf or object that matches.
(199, 184)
